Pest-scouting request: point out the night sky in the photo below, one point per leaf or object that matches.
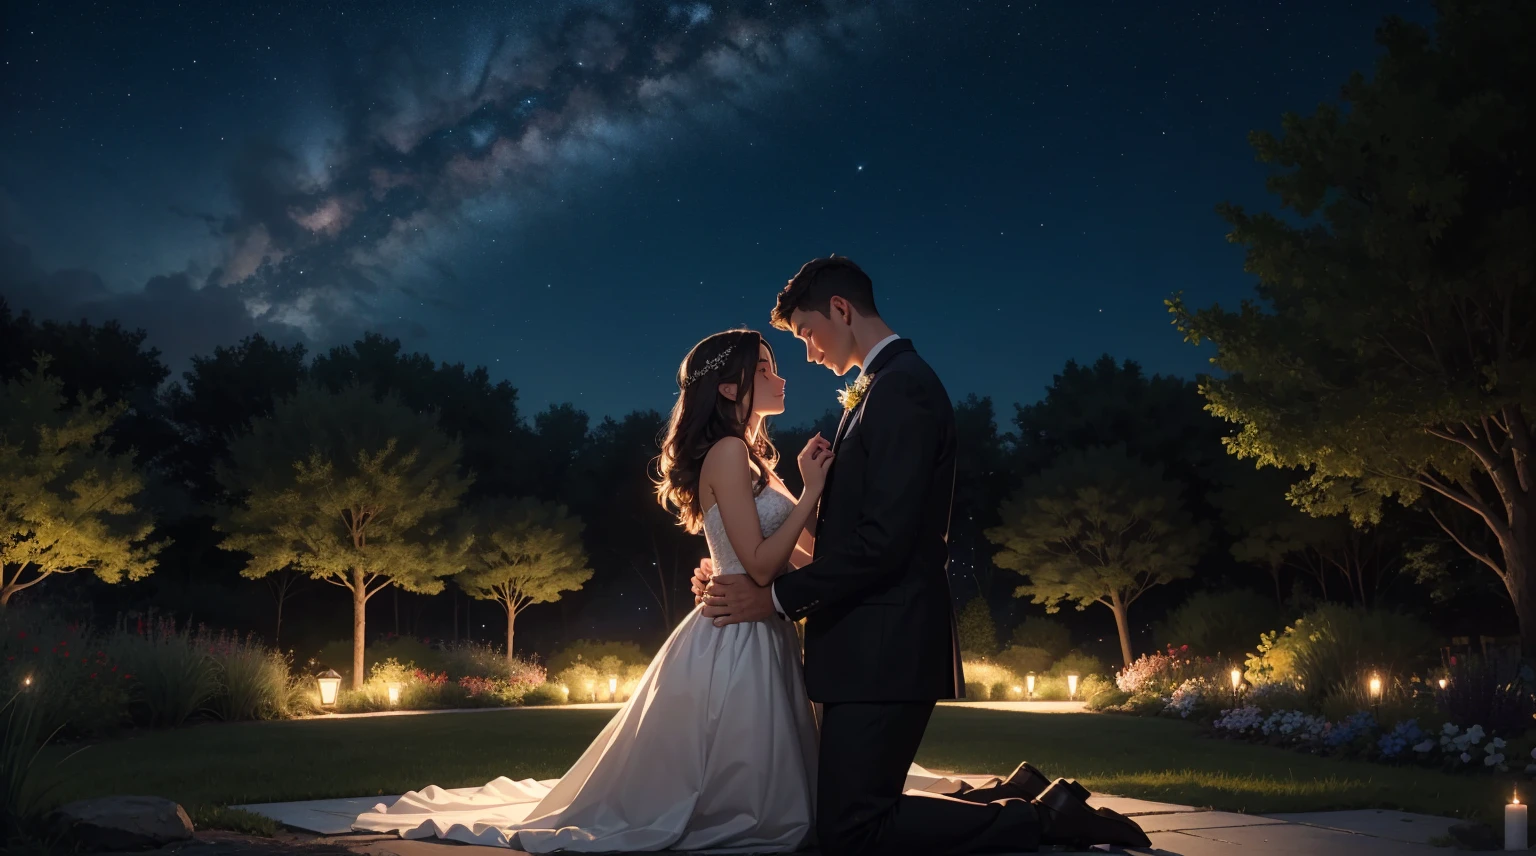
(574, 193)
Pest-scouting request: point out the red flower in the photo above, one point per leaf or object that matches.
(21, 634)
(34, 649)
(93, 676)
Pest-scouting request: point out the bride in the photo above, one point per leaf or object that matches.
(716, 749)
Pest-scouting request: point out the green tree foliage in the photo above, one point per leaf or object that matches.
(482, 413)
(611, 489)
(220, 396)
(1098, 526)
(67, 502)
(1390, 350)
(983, 479)
(1047, 634)
(1224, 623)
(347, 488)
(978, 635)
(525, 552)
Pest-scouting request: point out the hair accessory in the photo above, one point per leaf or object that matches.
(714, 364)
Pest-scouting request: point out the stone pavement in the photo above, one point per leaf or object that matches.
(1175, 830)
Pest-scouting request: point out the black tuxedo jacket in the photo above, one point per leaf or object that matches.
(879, 626)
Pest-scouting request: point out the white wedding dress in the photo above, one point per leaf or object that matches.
(714, 751)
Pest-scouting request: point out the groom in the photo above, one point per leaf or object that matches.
(880, 640)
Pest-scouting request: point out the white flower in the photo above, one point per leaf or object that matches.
(1427, 745)
(1530, 769)
(1465, 758)
(849, 396)
(1496, 743)
(1493, 759)
(1475, 734)
(1451, 729)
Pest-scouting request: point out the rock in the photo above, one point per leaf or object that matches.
(124, 823)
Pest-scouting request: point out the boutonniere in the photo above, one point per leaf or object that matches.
(850, 395)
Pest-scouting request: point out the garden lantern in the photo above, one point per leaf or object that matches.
(613, 688)
(330, 684)
(394, 693)
(1442, 683)
(1375, 688)
(27, 681)
(1237, 684)
(1072, 687)
(1029, 684)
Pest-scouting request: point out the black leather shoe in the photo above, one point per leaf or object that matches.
(1024, 783)
(1066, 819)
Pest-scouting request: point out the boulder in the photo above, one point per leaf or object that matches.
(124, 823)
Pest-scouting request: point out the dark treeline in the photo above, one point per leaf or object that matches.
(180, 432)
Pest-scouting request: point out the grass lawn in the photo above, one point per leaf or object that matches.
(1157, 759)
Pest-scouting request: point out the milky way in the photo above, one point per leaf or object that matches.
(533, 105)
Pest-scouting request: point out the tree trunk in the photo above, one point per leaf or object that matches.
(1122, 623)
(277, 630)
(5, 595)
(1522, 589)
(511, 619)
(359, 626)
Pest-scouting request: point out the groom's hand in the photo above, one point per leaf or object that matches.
(734, 598)
(701, 576)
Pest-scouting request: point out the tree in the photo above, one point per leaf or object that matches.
(1392, 348)
(67, 502)
(87, 359)
(978, 635)
(1098, 526)
(347, 488)
(483, 414)
(525, 552)
(220, 396)
(982, 480)
(611, 488)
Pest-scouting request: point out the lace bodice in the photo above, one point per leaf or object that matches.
(773, 509)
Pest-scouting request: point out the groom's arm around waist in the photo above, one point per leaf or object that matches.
(901, 427)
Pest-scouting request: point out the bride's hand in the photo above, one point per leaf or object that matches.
(701, 577)
(814, 460)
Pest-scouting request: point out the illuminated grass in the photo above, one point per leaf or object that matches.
(1158, 759)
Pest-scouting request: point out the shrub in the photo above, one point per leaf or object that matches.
(1021, 661)
(591, 652)
(1108, 698)
(1003, 691)
(1275, 695)
(978, 634)
(1494, 695)
(1047, 634)
(253, 680)
(544, 694)
(584, 682)
(174, 677)
(1080, 664)
(75, 683)
(1226, 624)
(1335, 646)
(1195, 696)
(977, 691)
(984, 672)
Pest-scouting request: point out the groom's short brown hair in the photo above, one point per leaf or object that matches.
(820, 280)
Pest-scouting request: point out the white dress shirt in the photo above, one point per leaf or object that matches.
(863, 367)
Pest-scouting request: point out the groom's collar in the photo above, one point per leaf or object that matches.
(882, 353)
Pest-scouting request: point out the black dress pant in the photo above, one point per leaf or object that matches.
(866, 748)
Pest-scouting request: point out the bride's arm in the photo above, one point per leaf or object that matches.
(727, 474)
(805, 549)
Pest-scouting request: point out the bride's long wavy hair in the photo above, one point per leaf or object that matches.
(702, 416)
